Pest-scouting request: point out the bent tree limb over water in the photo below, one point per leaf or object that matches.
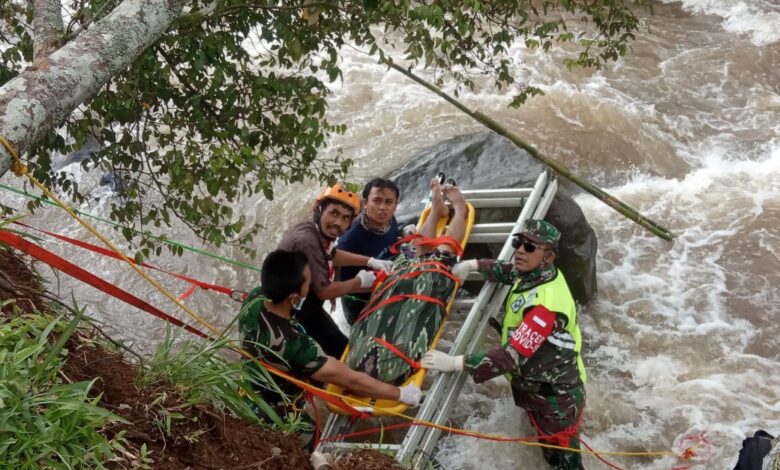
(608, 199)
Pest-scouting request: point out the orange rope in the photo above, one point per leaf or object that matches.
(21, 169)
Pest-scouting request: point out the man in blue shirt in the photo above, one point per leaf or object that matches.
(371, 235)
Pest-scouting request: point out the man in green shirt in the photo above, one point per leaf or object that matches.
(540, 342)
(269, 333)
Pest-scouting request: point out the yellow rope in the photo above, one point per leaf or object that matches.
(20, 169)
(17, 166)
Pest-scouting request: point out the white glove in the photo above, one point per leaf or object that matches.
(319, 461)
(367, 278)
(462, 269)
(410, 394)
(380, 264)
(437, 360)
(410, 229)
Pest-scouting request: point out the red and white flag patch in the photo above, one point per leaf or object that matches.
(537, 325)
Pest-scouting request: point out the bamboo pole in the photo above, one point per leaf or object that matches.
(613, 202)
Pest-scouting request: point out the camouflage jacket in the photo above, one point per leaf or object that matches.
(280, 342)
(552, 368)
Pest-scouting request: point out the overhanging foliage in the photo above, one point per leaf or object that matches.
(234, 96)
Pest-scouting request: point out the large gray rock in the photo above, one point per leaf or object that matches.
(487, 160)
(91, 145)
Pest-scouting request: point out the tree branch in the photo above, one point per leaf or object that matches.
(103, 11)
(41, 97)
(47, 27)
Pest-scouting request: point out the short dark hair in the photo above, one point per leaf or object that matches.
(380, 183)
(282, 274)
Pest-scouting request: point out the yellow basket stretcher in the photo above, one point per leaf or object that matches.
(389, 407)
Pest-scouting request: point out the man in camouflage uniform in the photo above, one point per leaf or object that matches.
(268, 331)
(540, 342)
(407, 309)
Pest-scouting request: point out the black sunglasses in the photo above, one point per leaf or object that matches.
(527, 244)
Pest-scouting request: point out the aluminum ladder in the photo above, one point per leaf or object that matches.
(420, 441)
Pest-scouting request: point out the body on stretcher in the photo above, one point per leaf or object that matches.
(390, 407)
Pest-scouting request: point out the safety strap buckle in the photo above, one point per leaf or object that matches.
(238, 295)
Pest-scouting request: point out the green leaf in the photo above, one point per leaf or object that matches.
(63, 338)
(226, 105)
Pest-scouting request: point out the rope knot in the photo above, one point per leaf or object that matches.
(695, 447)
(688, 453)
(18, 167)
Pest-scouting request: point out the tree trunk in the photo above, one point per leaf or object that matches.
(44, 94)
(47, 27)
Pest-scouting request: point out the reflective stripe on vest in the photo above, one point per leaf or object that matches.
(555, 296)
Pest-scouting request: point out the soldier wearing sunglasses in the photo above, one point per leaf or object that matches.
(540, 342)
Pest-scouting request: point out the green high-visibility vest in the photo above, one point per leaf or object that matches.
(556, 297)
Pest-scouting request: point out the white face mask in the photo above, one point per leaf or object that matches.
(299, 304)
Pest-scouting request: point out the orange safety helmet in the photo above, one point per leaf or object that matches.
(339, 194)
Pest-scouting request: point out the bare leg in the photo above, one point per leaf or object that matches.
(438, 210)
(457, 227)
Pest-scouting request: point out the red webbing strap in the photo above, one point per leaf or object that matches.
(85, 276)
(392, 348)
(426, 241)
(400, 276)
(399, 297)
(443, 240)
(111, 254)
(560, 438)
(338, 402)
(440, 268)
(375, 296)
(460, 432)
(404, 273)
(187, 293)
(310, 399)
(310, 393)
(380, 277)
(443, 272)
(394, 246)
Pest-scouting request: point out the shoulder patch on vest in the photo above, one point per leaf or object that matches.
(536, 327)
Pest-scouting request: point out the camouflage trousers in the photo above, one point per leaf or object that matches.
(557, 411)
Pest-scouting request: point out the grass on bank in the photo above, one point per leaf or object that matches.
(45, 421)
(210, 372)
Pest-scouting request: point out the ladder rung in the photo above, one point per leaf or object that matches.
(488, 237)
(462, 304)
(361, 445)
(503, 227)
(496, 193)
(496, 202)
